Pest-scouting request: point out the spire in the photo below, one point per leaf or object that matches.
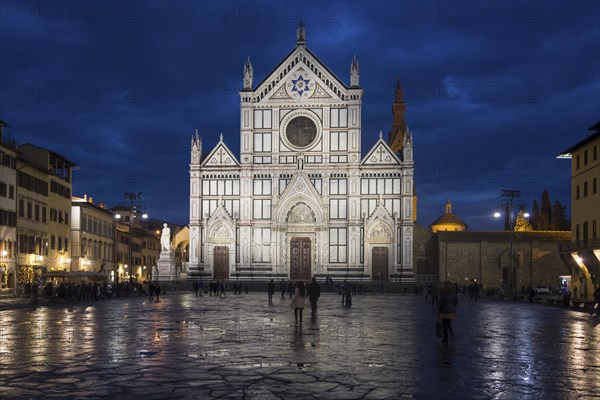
(448, 208)
(398, 124)
(248, 74)
(399, 92)
(300, 35)
(354, 72)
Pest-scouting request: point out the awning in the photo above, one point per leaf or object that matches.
(74, 275)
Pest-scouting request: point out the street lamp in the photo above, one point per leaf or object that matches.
(511, 200)
(135, 207)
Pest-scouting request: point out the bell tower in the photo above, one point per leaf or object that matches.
(399, 124)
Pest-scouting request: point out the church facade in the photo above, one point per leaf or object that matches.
(301, 200)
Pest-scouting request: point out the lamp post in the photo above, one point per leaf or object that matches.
(511, 199)
(135, 206)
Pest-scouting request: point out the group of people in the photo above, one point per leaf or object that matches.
(300, 293)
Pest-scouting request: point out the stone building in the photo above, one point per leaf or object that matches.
(582, 255)
(8, 214)
(506, 260)
(301, 200)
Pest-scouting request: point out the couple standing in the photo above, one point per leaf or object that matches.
(299, 300)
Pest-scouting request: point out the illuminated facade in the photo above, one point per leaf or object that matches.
(301, 200)
(8, 214)
(582, 256)
(92, 239)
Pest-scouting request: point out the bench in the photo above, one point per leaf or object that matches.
(586, 304)
(555, 301)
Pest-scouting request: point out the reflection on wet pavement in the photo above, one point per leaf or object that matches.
(383, 347)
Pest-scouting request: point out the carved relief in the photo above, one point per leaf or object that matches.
(380, 234)
(300, 214)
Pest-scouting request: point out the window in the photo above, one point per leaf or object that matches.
(37, 212)
(261, 246)
(59, 243)
(44, 216)
(262, 209)
(595, 153)
(262, 119)
(66, 218)
(262, 142)
(337, 209)
(339, 118)
(11, 192)
(594, 229)
(338, 247)
(3, 189)
(29, 210)
(338, 186)
(380, 186)
(262, 187)
(317, 182)
(21, 208)
(338, 141)
(52, 242)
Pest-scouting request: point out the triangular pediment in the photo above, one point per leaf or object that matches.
(300, 190)
(220, 156)
(301, 76)
(381, 154)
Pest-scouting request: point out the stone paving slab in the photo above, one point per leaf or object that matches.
(245, 347)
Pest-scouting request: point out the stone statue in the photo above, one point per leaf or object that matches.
(165, 238)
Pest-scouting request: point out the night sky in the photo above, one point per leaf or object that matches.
(494, 90)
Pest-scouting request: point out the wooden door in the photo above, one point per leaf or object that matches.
(221, 266)
(380, 263)
(300, 259)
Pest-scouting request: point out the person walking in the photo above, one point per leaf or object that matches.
(271, 290)
(222, 292)
(201, 287)
(157, 291)
(195, 287)
(282, 287)
(314, 292)
(447, 303)
(299, 302)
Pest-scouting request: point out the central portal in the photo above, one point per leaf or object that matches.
(380, 263)
(300, 259)
(221, 263)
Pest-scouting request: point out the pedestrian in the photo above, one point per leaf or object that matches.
(222, 293)
(291, 289)
(596, 304)
(282, 288)
(434, 294)
(343, 290)
(314, 292)
(151, 290)
(195, 287)
(348, 298)
(447, 303)
(157, 291)
(575, 292)
(271, 290)
(299, 302)
(201, 287)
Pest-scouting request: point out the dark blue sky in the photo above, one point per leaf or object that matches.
(494, 90)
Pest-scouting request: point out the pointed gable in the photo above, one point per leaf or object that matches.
(220, 156)
(381, 154)
(301, 76)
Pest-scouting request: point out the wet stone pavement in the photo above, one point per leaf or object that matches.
(241, 346)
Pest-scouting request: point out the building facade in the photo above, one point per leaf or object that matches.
(92, 239)
(582, 255)
(301, 200)
(8, 214)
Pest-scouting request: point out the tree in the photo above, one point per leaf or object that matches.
(535, 214)
(559, 221)
(544, 221)
(522, 224)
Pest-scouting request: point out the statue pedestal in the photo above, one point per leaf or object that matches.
(166, 266)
